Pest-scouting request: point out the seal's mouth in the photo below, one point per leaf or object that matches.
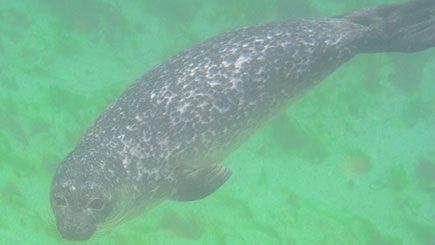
(76, 237)
(76, 233)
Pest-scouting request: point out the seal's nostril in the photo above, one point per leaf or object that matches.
(76, 229)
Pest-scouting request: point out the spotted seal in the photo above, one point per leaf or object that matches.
(165, 136)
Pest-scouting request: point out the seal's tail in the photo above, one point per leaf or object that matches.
(400, 27)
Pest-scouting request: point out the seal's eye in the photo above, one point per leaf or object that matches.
(96, 204)
(60, 201)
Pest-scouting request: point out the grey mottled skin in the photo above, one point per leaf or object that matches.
(165, 135)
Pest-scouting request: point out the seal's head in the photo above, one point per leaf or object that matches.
(92, 190)
(80, 201)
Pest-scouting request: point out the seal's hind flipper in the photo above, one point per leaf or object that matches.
(397, 27)
(197, 183)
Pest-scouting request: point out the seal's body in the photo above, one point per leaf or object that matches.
(165, 135)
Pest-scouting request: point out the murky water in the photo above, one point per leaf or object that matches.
(353, 162)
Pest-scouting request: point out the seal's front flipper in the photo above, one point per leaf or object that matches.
(197, 183)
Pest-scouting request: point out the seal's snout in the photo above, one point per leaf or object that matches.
(75, 232)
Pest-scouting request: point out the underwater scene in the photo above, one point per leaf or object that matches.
(351, 162)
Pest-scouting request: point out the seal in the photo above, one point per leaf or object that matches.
(165, 136)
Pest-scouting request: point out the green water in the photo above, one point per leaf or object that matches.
(353, 162)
